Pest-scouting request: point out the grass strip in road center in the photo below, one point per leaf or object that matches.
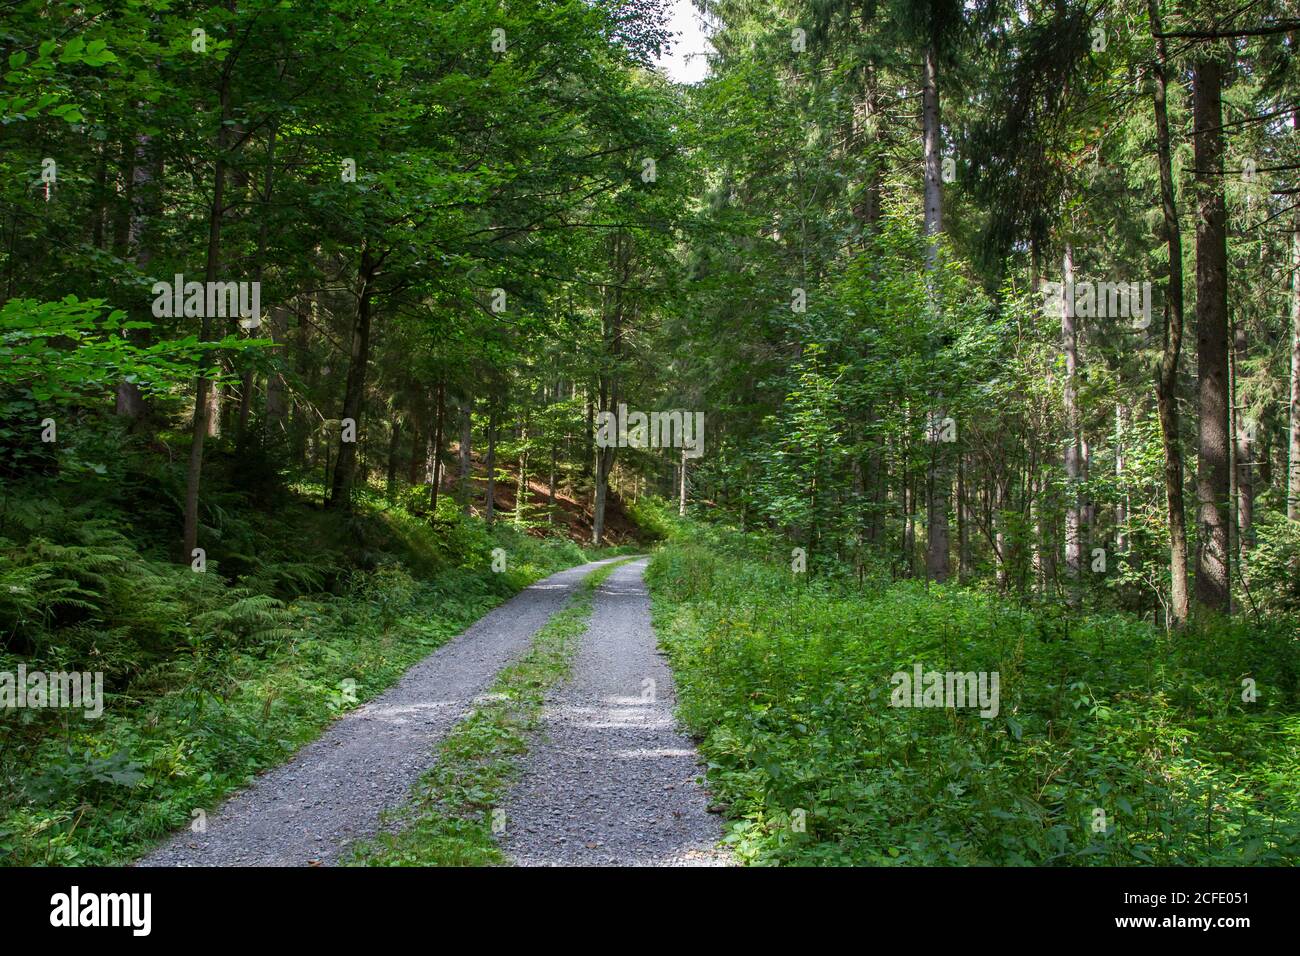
(457, 802)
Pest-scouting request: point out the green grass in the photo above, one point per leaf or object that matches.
(213, 678)
(449, 822)
(786, 683)
(614, 551)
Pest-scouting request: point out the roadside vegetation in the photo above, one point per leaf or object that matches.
(1115, 742)
(300, 615)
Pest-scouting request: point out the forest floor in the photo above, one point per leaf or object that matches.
(571, 516)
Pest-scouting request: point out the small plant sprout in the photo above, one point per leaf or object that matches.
(349, 172)
(498, 560)
(1249, 692)
(349, 430)
(649, 173)
(648, 690)
(198, 40)
(498, 820)
(498, 303)
(798, 561)
(198, 821)
(798, 40)
(49, 432)
(199, 561)
(799, 820)
(1099, 560)
(498, 40)
(798, 301)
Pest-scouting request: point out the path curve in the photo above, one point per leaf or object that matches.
(611, 781)
(333, 790)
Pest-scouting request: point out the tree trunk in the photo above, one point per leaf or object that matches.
(938, 491)
(1243, 463)
(247, 386)
(681, 491)
(491, 507)
(144, 205)
(909, 521)
(612, 330)
(1167, 380)
(247, 380)
(216, 403)
(1212, 474)
(521, 481)
(199, 427)
(436, 451)
(1073, 456)
(937, 482)
(466, 430)
(555, 462)
(415, 466)
(604, 463)
(101, 196)
(1000, 543)
(354, 393)
(589, 443)
(933, 149)
(964, 569)
(394, 446)
(302, 425)
(1122, 417)
(1044, 539)
(1293, 462)
(277, 392)
(867, 207)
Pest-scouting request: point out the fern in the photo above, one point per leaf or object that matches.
(250, 619)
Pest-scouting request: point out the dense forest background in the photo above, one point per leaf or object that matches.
(1002, 295)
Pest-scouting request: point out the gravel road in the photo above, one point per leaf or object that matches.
(611, 781)
(334, 789)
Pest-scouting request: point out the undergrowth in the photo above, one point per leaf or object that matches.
(210, 678)
(1114, 743)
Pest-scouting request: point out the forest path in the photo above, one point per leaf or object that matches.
(610, 781)
(334, 789)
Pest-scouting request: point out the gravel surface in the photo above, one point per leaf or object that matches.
(611, 781)
(334, 789)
